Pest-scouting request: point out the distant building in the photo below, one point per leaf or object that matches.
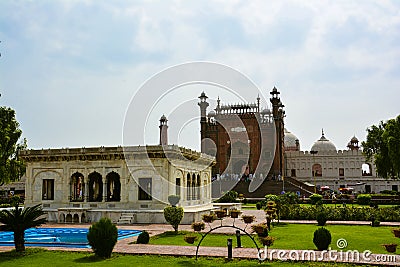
(242, 140)
(325, 166)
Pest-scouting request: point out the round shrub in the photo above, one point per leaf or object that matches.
(174, 216)
(321, 218)
(375, 223)
(228, 197)
(143, 238)
(322, 238)
(102, 237)
(364, 199)
(315, 198)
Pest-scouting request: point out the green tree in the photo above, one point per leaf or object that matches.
(174, 216)
(19, 219)
(11, 168)
(383, 147)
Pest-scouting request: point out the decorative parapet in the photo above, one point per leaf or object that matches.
(114, 153)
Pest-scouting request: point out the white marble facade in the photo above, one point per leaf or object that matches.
(85, 184)
(335, 168)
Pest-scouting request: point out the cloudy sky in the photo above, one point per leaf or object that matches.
(71, 68)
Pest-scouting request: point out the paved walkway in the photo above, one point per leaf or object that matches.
(126, 246)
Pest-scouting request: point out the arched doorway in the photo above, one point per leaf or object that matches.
(77, 187)
(95, 187)
(113, 187)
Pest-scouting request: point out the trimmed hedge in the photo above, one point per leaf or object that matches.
(341, 213)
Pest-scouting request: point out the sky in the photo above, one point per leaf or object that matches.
(71, 69)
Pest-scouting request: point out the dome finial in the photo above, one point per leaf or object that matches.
(323, 132)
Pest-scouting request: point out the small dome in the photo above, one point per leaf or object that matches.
(323, 144)
(266, 111)
(354, 140)
(211, 113)
(163, 118)
(290, 141)
(203, 95)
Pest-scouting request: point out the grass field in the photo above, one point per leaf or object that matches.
(299, 236)
(253, 206)
(39, 258)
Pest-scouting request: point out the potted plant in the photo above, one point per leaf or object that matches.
(396, 232)
(220, 213)
(189, 238)
(390, 247)
(261, 229)
(198, 226)
(208, 218)
(267, 241)
(248, 218)
(234, 213)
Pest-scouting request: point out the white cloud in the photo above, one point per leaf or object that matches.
(333, 61)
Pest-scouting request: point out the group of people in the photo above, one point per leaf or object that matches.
(245, 177)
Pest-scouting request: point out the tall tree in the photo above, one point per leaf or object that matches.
(11, 168)
(383, 147)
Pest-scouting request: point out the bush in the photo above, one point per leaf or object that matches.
(259, 205)
(315, 198)
(375, 223)
(322, 238)
(143, 238)
(321, 218)
(229, 197)
(174, 216)
(102, 237)
(364, 199)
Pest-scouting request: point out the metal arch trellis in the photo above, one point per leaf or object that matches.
(225, 226)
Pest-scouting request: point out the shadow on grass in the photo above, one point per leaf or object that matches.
(89, 259)
(203, 262)
(280, 224)
(12, 255)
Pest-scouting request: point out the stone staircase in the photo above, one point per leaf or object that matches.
(126, 218)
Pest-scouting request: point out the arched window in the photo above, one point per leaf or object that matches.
(95, 187)
(77, 187)
(113, 187)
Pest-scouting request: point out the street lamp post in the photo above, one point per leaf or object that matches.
(313, 152)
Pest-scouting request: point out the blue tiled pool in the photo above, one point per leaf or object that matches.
(58, 237)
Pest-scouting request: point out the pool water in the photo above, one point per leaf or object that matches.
(58, 237)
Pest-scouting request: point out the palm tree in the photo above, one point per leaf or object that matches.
(18, 220)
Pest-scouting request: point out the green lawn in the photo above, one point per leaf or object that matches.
(40, 258)
(249, 206)
(299, 236)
